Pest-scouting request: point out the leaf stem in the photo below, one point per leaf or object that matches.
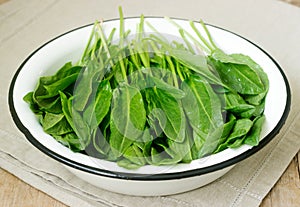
(195, 41)
(140, 46)
(168, 58)
(201, 37)
(105, 45)
(188, 44)
(88, 44)
(178, 69)
(208, 35)
(121, 44)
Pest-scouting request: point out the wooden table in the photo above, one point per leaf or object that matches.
(15, 193)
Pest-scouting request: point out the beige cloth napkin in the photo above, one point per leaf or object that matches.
(25, 25)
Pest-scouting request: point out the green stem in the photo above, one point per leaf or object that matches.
(88, 44)
(172, 68)
(121, 44)
(208, 35)
(133, 56)
(188, 44)
(158, 52)
(111, 35)
(93, 51)
(201, 37)
(123, 68)
(140, 29)
(144, 55)
(121, 27)
(195, 41)
(141, 46)
(179, 71)
(105, 45)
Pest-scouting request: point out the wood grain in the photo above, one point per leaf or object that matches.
(2, 1)
(286, 192)
(294, 2)
(14, 192)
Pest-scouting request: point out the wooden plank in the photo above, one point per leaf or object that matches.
(286, 192)
(14, 192)
(3, 1)
(294, 2)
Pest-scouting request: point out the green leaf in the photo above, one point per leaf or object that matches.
(154, 77)
(67, 108)
(46, 94)
(135, 155)
(237, 143)
(151, 108)
(236, 74)
(214, 140)
(70, 140)
(238, 106)
(254, 135)
(85, 85)
(169, 114)
(193, 149)
(211, 141)
(100, 142)
(56, 124)
(203, 109)
(259, 109)
(201, 105)
(127, 164)
(196, 63)
(75, 120)
(237, 135)
(81, 128)
(198, 143)
(99, 106)
(254, 99)
(183, 150)
(227, 129)
(105, 125)
(59, 85)
(49, 86)
(162, 85)
(241, 128)
(162, 155)
(128, 117)
(28, 98)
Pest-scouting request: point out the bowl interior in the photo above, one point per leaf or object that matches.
(69, 47)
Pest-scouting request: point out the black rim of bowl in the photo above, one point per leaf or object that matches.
(145, 177)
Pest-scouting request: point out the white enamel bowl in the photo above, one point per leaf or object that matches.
(148, 180)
